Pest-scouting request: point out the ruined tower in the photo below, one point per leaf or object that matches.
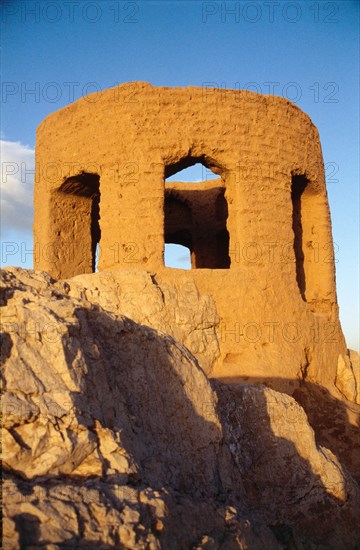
(259, 230)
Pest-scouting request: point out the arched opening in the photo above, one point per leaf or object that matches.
(81, 214)
(298, 186)
(313, 248)
(178, 228)
(193, 174)
(196, 211)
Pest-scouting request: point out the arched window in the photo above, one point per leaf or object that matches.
(193, 174)
(196, 212)
(298, 186)
(80, 205)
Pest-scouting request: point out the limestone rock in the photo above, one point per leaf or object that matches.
(176, 308)
(115, 437)
(335, 422)
(345, 380)
(348, 376)
(82, 384)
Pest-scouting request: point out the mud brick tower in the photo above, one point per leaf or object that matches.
(259, 230)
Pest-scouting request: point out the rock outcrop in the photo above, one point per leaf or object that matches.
(258, 231)
(114, 437)
(348, 376)
(174, 307)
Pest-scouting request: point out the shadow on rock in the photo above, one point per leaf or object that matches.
(300, 490)
(152, 455)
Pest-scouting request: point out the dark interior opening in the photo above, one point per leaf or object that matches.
(87, 185)
(178, 222)
(298, 186)
(196, 214)
(222, 244)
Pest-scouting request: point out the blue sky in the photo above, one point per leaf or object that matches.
(53, 52)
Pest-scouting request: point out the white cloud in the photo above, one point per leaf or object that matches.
(17, 183)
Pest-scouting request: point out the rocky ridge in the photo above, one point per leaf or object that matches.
(114, 436)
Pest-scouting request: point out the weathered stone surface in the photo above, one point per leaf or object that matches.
(114, 437)
(336, 423)
(260, 234)
(348, 376)
(174, 307)
(179, 309)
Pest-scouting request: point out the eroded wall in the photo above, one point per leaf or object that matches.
(276, 294)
